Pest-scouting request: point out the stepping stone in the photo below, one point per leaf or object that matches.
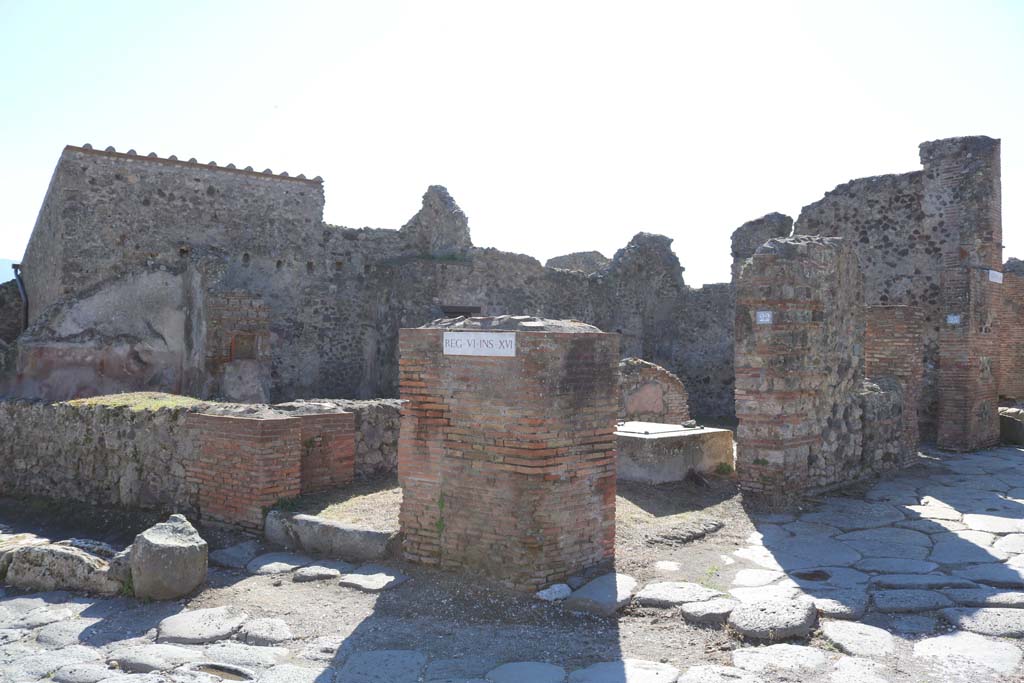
(781, 657)
(906, 624)
(277, 563)
(1004, 622)
(201, 625)
(152, 657)
(841, 604)
(829, 577)
(625, 671)
(955, 650)
(1000, 575)
(289, 673)
(985, 597)
(784, 590)
(888, 535)
(957, 551)
(248, 656)
(857, 639)
(604, 596)
(932, 526)
(535, 672)
(909, 600)
(710, 612)
(994, 524)
(801, 554)
(558, 591)
(674, 593)
(892, 565)
(860, 670)
(236, 556)
(774, 619)
(373, 578)
(265, 632)
(322, 570)
(713, 673)
(383, 666)
(756, 577)
(925, 581)
(1013, 543)
(851, 514)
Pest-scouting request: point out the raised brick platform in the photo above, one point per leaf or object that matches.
(507, 454)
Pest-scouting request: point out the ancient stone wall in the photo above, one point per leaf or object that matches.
(507, 462)
(12, 312)
(584, 261)
(799, 366)
(650, 393)
(884, 444)
(893, 347)
(703, 352)
(748, 237)
(1011, 332)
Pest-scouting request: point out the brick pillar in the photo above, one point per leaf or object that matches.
(1011, 332)
(799, 365)
(507, 458)
(894, 347)
(962, 206)
(245, 465)
(328, 450)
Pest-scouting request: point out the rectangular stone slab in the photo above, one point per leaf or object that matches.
(655, 453)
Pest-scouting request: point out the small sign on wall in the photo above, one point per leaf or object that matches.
(953, 319)
(995, 276)
(480, 344)
(764, 317)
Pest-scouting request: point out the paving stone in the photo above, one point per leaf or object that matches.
(784, 590)
(857, 639)
(383, 666)
(67, 632)
(925, 581)
(892, 565)
(957, 551)
(954, 650)
(535, 672)
(35, 618)
(907, 624)
(710, 612)
(1005, 622)
(265, 632)
(859, 670)
(934, 512)
(851, 514)
(201, 625)
(805, 529)
(277, 563)
(12, 635)
(35, 666)
(554, 593)
(373, 578)
(605, 595)
(1012, 543)
(152, 657)
(774, 619)
(841, 604)
(248, 656)
(985, 596)
(776, 518)
(994, 523)
(713, 673)
(1000, 575)
(799, 554)
(289, 673)
(884, 549)
(237, 556)
(909, 600)
(674, 593)
(760, 556)
(892, 535)
(316, 572)
(780, 657)
(625, 671)
(829, 577)
(756, 577)
(88, 672)
(932, 526)
(460, 669)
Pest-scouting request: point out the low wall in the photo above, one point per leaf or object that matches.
(222, 462)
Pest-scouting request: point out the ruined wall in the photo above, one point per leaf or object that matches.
(584, 261)
(748, 237)
(799, 366)
(650, 393)
(1011, 331)
(893, 347)
(12, 312)
(507, 462)
(884, 440)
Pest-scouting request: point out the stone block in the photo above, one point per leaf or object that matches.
(658, 453)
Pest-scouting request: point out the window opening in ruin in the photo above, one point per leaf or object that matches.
(243, 347)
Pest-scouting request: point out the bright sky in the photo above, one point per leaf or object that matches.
(557, 126)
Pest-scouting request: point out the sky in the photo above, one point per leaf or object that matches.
(557, 126)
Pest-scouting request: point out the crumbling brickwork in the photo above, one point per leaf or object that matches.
(799, 366)
(507, 462)
(650, 393)
(328, 445)
(893, 347)
(1011, 331)
(752, 234)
